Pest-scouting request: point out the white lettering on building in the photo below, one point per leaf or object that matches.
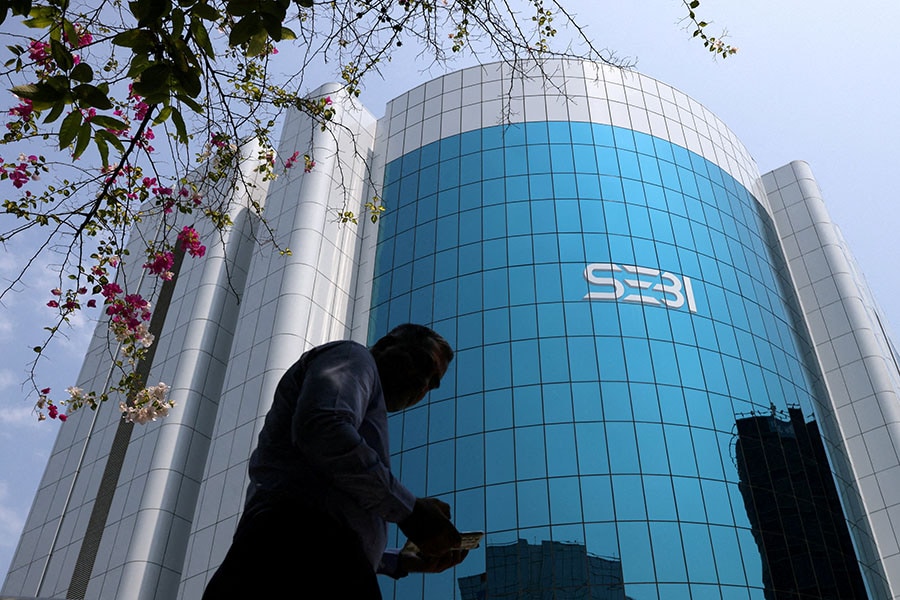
(630, 283)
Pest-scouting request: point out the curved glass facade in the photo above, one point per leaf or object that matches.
(629, 414)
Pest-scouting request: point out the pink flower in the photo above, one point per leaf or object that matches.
(190, 242)
(160, 264)
(23, 110)
(140, 109)
(45, 391)
(110, 290)
(39, 52)
(53, 304)
(63, 418)
(292, 160)
(91, 303)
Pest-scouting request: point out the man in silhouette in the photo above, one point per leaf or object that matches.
(321, 489)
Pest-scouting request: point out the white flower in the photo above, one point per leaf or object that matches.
(149, 404)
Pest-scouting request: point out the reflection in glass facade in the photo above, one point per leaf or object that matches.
(523, 571)
(794, 509)
(619, 309)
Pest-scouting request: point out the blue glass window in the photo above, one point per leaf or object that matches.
(533, 504)
(530, 454)
(565, 500)
(498, 445)
(593, 456)
(538, 159)
(498, 409)
(469, 417)
(525, 362)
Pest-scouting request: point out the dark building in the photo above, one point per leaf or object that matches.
(551, 570)
(793, 505)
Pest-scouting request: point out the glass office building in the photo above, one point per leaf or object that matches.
(670, 381)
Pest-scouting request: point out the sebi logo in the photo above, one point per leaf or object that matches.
(630, 283)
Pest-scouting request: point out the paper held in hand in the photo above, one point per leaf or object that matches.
(470, 541)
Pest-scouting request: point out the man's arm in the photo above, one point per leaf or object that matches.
(341, 397)
(339, 388)
(398, 564)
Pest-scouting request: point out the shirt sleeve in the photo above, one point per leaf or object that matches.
(339, 417)
(390, 564)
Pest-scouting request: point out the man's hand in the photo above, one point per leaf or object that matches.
(429, 527)
(419, 563)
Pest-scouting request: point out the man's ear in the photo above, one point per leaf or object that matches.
(396, 366)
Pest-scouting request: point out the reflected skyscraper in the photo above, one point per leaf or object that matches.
(522, 571)
(795, 511)
(630, 302)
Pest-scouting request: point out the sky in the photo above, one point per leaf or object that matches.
(813, 80)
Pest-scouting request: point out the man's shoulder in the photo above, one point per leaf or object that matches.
(343, 348)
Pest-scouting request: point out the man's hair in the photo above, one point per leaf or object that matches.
(413, 337)
(408, 356)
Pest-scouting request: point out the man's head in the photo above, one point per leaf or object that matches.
(411, 360)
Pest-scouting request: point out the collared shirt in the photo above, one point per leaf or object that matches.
(325, 443)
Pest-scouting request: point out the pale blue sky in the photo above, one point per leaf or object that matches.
(814, 80)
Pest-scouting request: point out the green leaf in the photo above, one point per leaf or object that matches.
(69, 29)
(139, 63)
(42, 95)
(205, 12)
(258, 43)
(192, 104)
(163, 115)
(54, 114)
(180, 129)
(140, 40)
(288, 34)
(91, 96)
(184, 57)
(272, 25)
(109, 123)
(694, 4)
(154, 82)
(177, 22)
(190, 82)
(82, 72)
(69, 129)
(148, 12)
(102, 149)
(201, 36)
(42, 17)
(240, 8)
(84, 138)
(61, 55)
(20, 7)
(275, 9)
(245, 29)
(109, 138)
(305, 3)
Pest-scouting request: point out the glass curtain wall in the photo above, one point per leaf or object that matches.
(627, 413)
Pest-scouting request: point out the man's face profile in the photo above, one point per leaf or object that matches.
(409, 376)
